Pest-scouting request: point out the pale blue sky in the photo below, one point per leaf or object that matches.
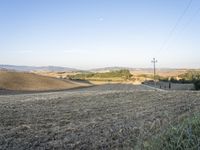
(99, 33)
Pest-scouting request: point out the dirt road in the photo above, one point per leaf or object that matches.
(102, 117)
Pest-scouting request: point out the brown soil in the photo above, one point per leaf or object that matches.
(114, 116)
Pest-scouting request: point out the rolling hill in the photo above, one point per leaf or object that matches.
(33, 68)
(22, 81)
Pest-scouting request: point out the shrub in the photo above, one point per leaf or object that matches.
(191, 76)
(197, 85)
(173, 80)
(184, 136)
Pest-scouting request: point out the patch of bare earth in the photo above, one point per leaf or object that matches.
(102, 117)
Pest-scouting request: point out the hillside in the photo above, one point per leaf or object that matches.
(21, 81)
(33, 68)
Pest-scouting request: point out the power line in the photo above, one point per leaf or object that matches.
(175, 26)
(189, 21)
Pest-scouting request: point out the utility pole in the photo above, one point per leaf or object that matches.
(154, 61)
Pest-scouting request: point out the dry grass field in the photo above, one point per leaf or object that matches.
(112, 116)
(55, 74)
(21, 81)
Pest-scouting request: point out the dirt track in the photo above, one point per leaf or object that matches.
(101, 117)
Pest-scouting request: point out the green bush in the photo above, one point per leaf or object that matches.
(191, 76)
(197, 85)
(185, 136)
(173, 80)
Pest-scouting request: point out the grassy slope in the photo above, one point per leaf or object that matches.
(184, 136)
(31, 82)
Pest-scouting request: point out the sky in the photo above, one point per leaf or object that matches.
(89, 34)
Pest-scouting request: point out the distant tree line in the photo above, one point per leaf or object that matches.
(123, 74)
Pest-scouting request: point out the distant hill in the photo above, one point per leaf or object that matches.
(33, 68)
(107, 69)
(21, 81)
(66, 69)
